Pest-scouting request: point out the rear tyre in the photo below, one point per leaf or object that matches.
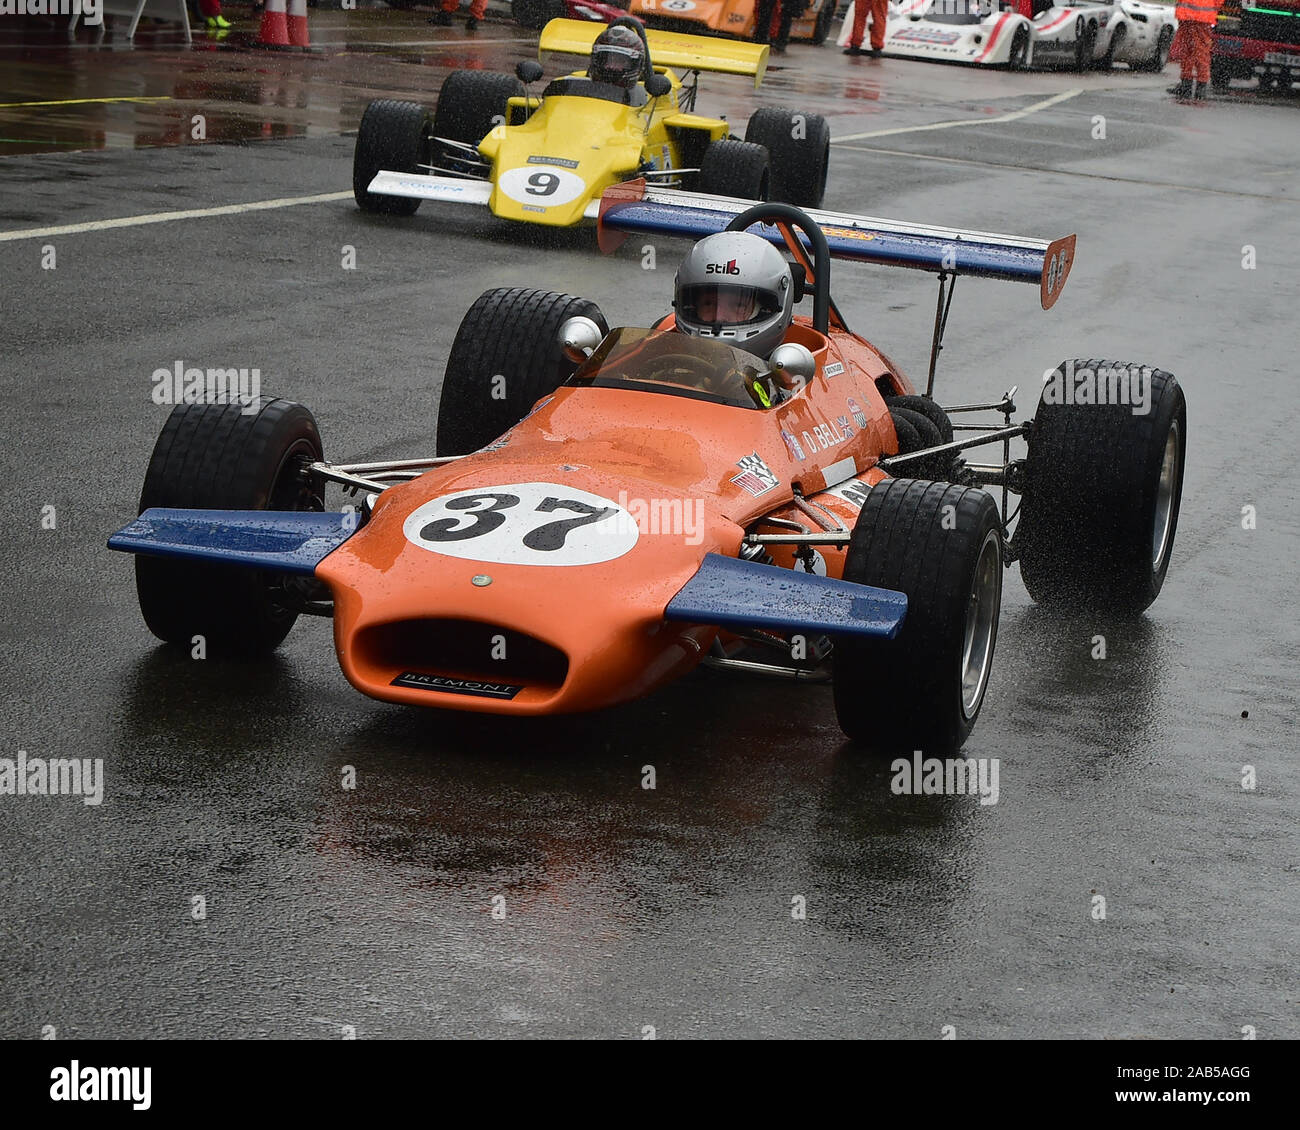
(1107, 61)
(799, 148)
(1220, 76)
(1101, 498)
(216, 457)
(735, 168)
(471, 103)
(1160, 58)
(822, 28)
(395, 136)
(513, 334)
(1084, 42)
(1019, 57)
(941, 545)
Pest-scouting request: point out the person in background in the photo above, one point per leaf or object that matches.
(780, 13)
(1196, 19)
(476, 10)
(210, 10)
(879, 14)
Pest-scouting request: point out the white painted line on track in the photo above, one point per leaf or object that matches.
(167, 217)
(1012, 116)
(1115, 178)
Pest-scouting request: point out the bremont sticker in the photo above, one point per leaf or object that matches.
(563, 162)
(834, 369)
(445, 684)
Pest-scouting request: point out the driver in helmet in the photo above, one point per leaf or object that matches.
(617, 57)
(737, 288)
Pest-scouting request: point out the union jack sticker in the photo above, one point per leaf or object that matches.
(755, 476)
(796, 449)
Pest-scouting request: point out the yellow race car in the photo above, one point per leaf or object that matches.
(627, 116)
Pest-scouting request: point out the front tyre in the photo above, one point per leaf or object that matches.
(734, 168)
(225, 456)
(471, 103)
(505, 358)
(394, 136)
(1103, 486)
(940, 544)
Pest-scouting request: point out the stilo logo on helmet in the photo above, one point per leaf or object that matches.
(728, 268)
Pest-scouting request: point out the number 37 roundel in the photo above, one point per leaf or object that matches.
(523, 524)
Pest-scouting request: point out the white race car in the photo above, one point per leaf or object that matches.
(1132, 32)
(1021, 33)
(985, 33)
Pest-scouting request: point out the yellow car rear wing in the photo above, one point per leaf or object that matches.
(667, 49)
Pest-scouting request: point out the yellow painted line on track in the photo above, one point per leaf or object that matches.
(1012, 116)
(168, 217)
(86, 101)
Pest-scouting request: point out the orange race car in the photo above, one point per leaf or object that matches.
(735, 484)
(737, 18)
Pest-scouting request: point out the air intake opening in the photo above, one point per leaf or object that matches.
(462, 649)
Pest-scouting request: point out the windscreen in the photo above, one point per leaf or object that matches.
(674, 363)
(960, 11)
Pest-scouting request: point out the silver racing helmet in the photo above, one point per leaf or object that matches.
(738, 288)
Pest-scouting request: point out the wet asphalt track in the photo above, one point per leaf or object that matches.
(626, 908)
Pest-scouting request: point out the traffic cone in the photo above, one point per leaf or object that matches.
(298, 35)
(274, 31)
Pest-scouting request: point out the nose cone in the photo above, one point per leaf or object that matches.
(527, 598)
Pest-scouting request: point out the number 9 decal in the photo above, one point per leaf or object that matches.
(523, 524)
(542, 185)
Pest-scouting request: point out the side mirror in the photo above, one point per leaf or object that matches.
(658, 85)
(579, 338)
(793, 365)
(528, 70)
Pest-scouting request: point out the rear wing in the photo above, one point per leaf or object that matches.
(667, 49)
(633, 208)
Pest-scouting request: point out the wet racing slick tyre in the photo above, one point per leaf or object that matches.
(471, 103)
(1160, 58)
(1107, 61)
(799, 148)
(1101, 494)
(1018, 59)
(941, 544)
(735, 168)
(822, 26)
(909, 424)
(395, 136)
(505, 358)
(536, 13)
(1085, 32)
(943, 465)
(225, 456)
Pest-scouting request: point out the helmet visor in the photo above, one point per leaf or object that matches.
(714, 304)
(611, 63)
